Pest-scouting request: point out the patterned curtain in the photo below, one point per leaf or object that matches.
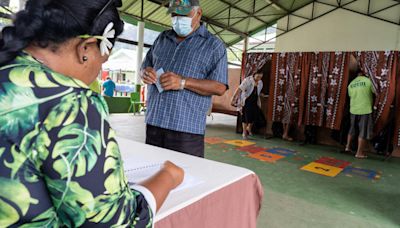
(326, 89)
(381, 67)
(396, 138)
(252, 62)
(316, 89)
(286, 87)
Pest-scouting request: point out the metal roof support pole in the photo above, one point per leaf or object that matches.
(142, 11)
(139, 50)
(245, 44)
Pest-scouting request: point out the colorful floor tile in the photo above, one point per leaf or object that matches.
(322, 169)
(223, 146)
(333, 162)
(213, 140)
(266, 157)
(239, 143)
(281, 151)
(252, 149)
(298, 159)
(354, 171)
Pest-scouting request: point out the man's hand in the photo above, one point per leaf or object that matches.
(171, 81)
(149, 76)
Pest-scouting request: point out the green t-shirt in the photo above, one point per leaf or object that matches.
(361, 96)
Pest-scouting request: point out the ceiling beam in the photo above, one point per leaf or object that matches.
(343, 6)
(244, 17)
(151, 21)
(132, 42)
(275, 2)
(234, 3)
(335, 7)
(158, 8)
(129, 6)
(223, 26)
(240, 21)
(211, 21)
(5, 15)
(386, 8)
(250, 14)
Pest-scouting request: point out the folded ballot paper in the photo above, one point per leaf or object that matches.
(158, 83)
(143, 170)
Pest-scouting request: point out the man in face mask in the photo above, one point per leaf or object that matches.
(183, 69)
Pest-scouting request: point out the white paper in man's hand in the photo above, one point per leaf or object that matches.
(158, 84)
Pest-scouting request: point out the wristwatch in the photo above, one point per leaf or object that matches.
(183, 83)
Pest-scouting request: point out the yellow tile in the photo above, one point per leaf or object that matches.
(265, 156)
(322, 169)
(239, 143)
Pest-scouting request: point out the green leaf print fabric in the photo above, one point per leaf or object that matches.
(60, 164)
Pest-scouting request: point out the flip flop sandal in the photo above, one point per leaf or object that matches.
(289, 139)
(347, 151)
(361, 156)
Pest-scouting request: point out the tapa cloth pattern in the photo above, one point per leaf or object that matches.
(327, 81)
(285, 87)
(252, 62)
(381, 66)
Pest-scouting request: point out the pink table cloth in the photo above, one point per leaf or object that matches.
(235, 206)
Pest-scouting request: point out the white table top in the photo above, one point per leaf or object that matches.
(215, 175)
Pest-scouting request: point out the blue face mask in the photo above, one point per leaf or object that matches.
(182, 25)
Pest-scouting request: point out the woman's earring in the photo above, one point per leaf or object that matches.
(85, 58)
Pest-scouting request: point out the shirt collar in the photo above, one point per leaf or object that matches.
(25, 58)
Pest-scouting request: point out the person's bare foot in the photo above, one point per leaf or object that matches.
(361, 156)
(287, 138)
(249, 132)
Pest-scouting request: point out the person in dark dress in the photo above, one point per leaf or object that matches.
(247, 101)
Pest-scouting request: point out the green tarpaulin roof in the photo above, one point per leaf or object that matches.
(230, 20)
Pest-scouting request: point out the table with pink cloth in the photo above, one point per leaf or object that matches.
(228, 196)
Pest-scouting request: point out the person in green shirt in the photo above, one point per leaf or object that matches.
(361, 93)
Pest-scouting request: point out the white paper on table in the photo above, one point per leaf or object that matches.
(158, 83)
(143, 170)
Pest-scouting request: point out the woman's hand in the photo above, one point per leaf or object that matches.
(176, 172)
(234, 100)
(233, 103)
(168, 178)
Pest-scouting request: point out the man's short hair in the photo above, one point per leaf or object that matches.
(359, 71)
(261, 71)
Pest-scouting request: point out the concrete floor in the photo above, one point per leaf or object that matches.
(295, 198)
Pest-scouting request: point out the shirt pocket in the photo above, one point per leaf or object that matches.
(197, 66)
(161, 58)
